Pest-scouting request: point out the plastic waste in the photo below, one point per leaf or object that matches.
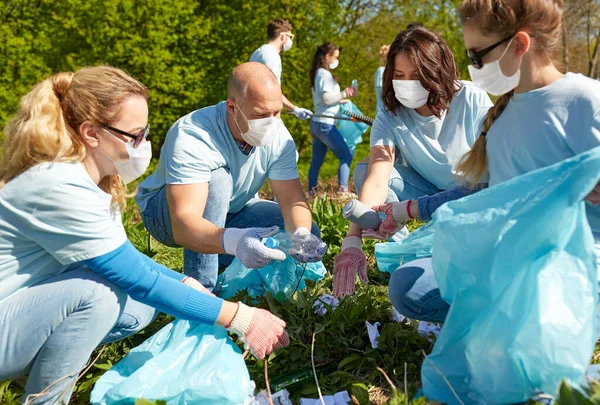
(298, 377)
(308, 247)
(280, 278)
(340, 398)
(325, 299)
(184, 363)
(418, 244)
(362, 215)
(355, 85)
(373, 333)
(516, 263)
(351, 131)
(279, 398)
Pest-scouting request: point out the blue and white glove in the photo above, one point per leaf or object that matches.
(302, 113)
(246, 245)
(312, 248)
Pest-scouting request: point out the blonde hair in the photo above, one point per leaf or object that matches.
(542, 19)
(46, 125)
(383, 52)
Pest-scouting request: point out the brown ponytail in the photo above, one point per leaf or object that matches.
(473, 165)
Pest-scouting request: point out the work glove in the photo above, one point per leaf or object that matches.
(246, 245)
(313, 249)
(594, 197)
(346, 264)
(302, 113)
(259, 330)
(396, 215)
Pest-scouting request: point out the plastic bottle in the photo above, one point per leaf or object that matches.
(286, 243)
(362, 215)
(283, 279)
(355, 84)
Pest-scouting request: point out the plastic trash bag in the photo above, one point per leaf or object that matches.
(184, 363)
(351, 131)
(391, 255)
(517, 264)
(280, 278)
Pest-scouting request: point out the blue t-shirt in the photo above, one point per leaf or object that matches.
(267, 55)
(545, 126)
(430, 145)
(324, 83)
(52, 216)
(201, 142)
(379, 85)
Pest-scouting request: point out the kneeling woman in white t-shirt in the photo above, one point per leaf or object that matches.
(69, 278)
(428, 115)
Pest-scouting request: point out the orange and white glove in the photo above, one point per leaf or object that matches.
(346, 264)
(261, 331)
(396, 215)
(594, 197)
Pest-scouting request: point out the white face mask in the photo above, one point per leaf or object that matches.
(410, 93)
(261, 131)
(491, 79)
(288, 44)
(136, 165)
(334, 64)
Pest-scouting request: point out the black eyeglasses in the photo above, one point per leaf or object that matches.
(475, 57)
(137, 138)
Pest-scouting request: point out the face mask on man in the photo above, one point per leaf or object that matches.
(137, 163)
(491, 79)
(410, 93)
(288, 44)
(334, 64)
(261, 131)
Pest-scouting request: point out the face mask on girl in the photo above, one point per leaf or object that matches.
(136, 165)
(410, 93)
(261, 131)
(287, 45)
(491, 79)
(334, 64)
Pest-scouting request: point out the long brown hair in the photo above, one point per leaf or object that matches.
(46, 125)
(319, 60)
(435, 65)
(542, 19)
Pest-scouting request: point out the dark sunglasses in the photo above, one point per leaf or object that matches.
(137, 138)
(475, 57)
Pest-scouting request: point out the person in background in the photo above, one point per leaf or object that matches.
(433, 119)
(383, 51)
(69, 278)
(327, 98)
(279, 39)
(213, 162)
(541, 118)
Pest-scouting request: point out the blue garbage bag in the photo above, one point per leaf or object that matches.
(516, 263)
(184, 363)
(280, 278)
(351, 131)
(391, 255)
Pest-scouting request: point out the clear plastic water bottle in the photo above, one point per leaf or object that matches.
(355, 84)
(309, 248)
(283, 279)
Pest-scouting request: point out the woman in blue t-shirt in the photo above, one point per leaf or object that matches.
(327, 98)
(69, 278)
(429, 120)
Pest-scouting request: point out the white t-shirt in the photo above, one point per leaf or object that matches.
(434, 146)
(52, 216)
(324, 83)
(201, 142)
(268, 55)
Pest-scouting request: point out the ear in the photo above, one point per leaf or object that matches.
(89, 133)
(230, 106)
(523, 43)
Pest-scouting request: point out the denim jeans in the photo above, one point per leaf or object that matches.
(204, 267)
(49, 330)
(405, 183)
(324, 137)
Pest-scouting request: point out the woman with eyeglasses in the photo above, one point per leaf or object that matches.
(429, 120)
(69, 278)
(542, 117)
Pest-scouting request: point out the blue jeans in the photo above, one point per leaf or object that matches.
(49, 330)
(204, 267)
(414, 292)
(405, 183)
(324, 137)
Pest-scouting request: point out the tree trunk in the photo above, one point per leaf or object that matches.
(565, 46)
(594, 59)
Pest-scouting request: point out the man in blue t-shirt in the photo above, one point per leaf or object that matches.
(279, 39)
(212, 164)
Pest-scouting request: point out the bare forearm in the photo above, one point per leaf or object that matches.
(199, 235)
(297, 215)
(287, 104)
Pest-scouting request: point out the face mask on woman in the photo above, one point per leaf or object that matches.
(137, 163)
(491, 79)
(410, 93)
(334, 64)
